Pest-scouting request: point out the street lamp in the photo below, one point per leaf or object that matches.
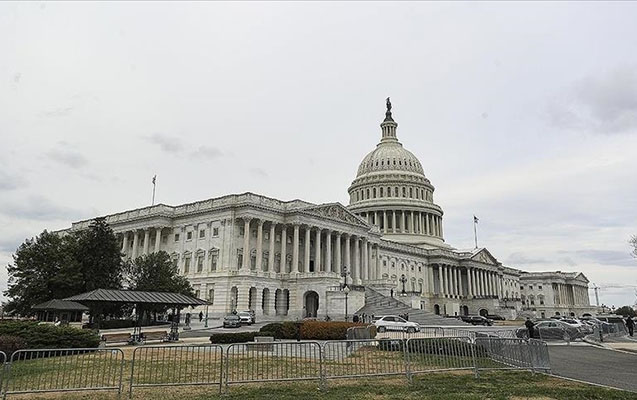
(345, 288)
(403, 280)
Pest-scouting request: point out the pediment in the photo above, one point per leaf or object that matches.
(483, 256)
(336, 212)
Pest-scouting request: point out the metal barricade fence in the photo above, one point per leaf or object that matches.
(272, 361)
(503, 353)
(62, 370)
(439, 354)
(358, 358)
(3, 372)
(539, 353)
(176, 366)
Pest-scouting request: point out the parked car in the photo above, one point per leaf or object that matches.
(551, 330)
(495, 317)
(231, 321)
(246, 318)
(585, 328)
(476, 320)
(252, 315)
(395, 323)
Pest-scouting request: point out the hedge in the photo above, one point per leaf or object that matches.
(36, 336)
(236, 337)
(9, 344)
(281, 330)
(319, 330)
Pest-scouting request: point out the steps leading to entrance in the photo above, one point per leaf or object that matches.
(377, 304)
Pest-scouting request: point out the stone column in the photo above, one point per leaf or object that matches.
(146, 240)
(337, 248)
(364, 261)
(271, 249)
(379, 273)
(441, 283)
(413, 227)
(393, 224)
(480, 282)
(284, 249)
(328, 251)
(384, 221)
(295, 250)
(246, 244)
(135, 244)
(259, 244)
(317, 250)
(348, 255)
(427, 231)
(357, 261)
(124, 242)
(469, 288)
(306, 266)
(430, 271)
(157, 239)
(440, 226)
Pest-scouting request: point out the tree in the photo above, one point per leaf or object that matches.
(156, 272)
(633, 244)
(626, 311)
(43, 268)
(55, 266)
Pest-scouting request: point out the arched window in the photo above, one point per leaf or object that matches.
(404, 192)
(382, 194)
(367, 193)
(374, 193)
(411, 193)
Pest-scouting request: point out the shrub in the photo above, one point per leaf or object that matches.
(281, 330)
(9, 344)
(43, 336)
(319, 330)
(234, 337)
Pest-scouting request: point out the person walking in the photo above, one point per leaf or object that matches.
(529, 326)
(630, 324)
(200, 315)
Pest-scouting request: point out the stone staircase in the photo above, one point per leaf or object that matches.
(377, 304)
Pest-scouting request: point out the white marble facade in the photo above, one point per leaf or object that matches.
(285, 259)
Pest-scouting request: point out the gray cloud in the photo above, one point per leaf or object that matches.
(258, 172)
(70, 158)
(37, 207)
(9, 182)
(608, 257)
(207, 152)
(58, 112)
(168, 144)
(522, 258)
(602, 104)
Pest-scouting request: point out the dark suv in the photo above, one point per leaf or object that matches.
(476, 320)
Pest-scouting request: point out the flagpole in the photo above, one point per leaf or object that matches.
(475, 230)
(154, 184)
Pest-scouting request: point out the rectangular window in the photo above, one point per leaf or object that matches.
(521, 287)
(289, 239)
(164, 239)
(186, 265)
(239, 260)
(530, 287)
(211, 296)
(213, 263)
(189, 236)
(176, 237)
(202, 233)
(242, 231)
(540, 287)
(197, 293)
(278, 238)
(266, 235)
(199, 263)
(254, 233)
(215, 231)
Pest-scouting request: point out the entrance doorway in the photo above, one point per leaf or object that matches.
(465, 310)
(311, 304)
(484, 312)
(436, 309)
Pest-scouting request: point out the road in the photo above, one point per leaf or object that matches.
(595, 365)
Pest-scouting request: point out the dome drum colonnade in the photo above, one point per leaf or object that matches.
(392, 192)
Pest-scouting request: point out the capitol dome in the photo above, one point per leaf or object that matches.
(392, 192)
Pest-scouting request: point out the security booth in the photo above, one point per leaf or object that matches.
(63, 311)
(100, 298)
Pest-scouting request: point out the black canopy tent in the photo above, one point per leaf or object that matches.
(176, 301)
(59, 310)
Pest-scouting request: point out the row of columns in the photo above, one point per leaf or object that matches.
(570, 294)
(405, 221)
(134, 251)
(480, 282)
(340, 249)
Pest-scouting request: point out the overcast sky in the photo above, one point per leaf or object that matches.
(524, 114)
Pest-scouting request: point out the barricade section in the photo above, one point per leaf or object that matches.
(278, 361)
(357, 358)
(439, 354)
(539, 353)
(176, 366)
(503, 353)
(53, 370)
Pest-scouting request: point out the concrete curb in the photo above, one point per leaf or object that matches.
(587, 383)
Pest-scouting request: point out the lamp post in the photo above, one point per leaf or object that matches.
(345, 288)
(403, 280)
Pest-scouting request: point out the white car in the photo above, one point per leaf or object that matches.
(246, 317)
(395, 323)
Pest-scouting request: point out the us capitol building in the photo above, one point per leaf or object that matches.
(291, 259)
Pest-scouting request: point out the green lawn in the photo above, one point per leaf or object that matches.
(433, 386)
